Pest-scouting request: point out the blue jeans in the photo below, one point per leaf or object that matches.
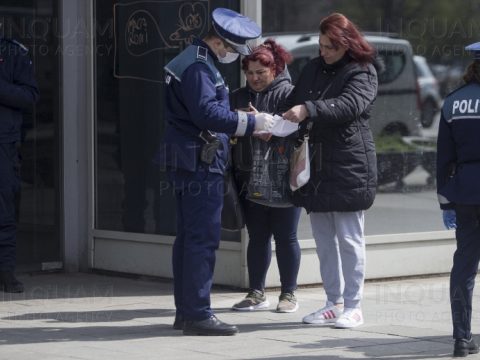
(263, 222)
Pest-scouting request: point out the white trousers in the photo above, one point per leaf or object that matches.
(341, 250)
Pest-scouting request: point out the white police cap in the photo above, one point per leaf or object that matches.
(474, 49)
(236, 29)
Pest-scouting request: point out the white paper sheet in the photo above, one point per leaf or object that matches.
(281, 128)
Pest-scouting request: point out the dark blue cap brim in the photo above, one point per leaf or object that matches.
(235, 28)
(242, 49)
(474, 49)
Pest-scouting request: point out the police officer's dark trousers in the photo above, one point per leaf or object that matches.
(199, 200)
(465, 267)
(9, 185)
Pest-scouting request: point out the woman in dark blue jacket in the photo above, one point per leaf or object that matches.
(268, 84)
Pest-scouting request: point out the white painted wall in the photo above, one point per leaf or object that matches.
(387, 256)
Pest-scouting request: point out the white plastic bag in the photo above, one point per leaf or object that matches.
(300, 165)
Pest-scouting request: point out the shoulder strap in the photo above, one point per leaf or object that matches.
(17, 44)
(306, 129)
(187, 57)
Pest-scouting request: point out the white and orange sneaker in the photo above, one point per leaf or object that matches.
(351, 317)
(329, 314)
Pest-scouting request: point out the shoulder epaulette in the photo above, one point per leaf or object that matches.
(202, 53)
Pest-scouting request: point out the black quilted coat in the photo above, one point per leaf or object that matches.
(339, 99)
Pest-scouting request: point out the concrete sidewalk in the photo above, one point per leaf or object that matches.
(88, 316)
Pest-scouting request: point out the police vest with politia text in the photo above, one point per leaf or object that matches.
(458, 149)
(463, 103)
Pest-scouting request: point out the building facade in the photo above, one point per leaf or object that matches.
(92, 197)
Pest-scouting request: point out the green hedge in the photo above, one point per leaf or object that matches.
(393, 143)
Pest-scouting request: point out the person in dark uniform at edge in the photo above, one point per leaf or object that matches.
(458, 190)
(18, 92)
(194, 154)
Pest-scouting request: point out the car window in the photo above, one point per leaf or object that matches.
(394, 63)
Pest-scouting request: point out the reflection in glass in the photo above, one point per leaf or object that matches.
(406, 198)
(134, 40)
(35, 24)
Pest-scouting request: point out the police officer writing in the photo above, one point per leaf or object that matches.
(18, 92)
(194, 153)
(458, 178)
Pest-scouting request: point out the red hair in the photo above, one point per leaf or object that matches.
(269, 54)
(343, 32)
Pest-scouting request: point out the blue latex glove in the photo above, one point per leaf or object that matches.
(450, 219)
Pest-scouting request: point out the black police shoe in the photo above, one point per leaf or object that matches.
(463, 347)
(9, 283)
(211, 326)
(178, 323)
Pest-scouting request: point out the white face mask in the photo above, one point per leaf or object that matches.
(228, 58)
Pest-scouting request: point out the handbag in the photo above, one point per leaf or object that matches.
(268, 183)
(300, 165)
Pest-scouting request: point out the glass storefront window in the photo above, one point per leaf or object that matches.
(405, 143)
(134, 40)
(36, 25)
(406, 199)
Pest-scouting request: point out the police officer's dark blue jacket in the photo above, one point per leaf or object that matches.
(196, 100)
(458, 150)
(18, 89)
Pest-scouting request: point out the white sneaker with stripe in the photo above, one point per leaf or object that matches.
(329, 314)
(351, 317)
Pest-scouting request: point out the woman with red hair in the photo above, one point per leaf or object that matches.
(268, 210)
(332, 101)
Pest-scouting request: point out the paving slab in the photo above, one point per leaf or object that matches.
(91, 316)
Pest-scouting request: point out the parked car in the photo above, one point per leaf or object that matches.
(429, 91)
(395, 113)
(449, 77)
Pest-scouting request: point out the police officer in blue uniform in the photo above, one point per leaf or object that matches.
(194, 154)
(458, 189)
(18, 92)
